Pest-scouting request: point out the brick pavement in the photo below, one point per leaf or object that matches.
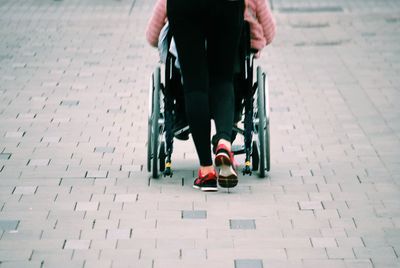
(73, 108)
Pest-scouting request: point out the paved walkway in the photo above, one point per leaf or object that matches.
(74, 192)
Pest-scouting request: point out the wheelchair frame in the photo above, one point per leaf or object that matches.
(255, 117)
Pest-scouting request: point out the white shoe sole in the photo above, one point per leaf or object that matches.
(206, 189)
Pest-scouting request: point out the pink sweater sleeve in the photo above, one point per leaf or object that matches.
(264, 16)
(156, 22)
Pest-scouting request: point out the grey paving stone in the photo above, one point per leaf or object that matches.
(132, 168)
(107, 206)
(350, 242)
(84, 206)
(33, 243)
(115, 110)
(15, 255)
(265, 254)
(76, 244)
(324, 263)
(310, 205)
(21, 235)
(105, 223)
(381, 263)
(66, 264)
(62, 255)
(8, 224)
(102, 197)
(134, 263)
(323, 242)
(249, 263)
(248, 242)
(193, 254)
(378, 253)
(25, 190)
(69, 102)
(38, 162)
(15, 134)
(342, 223)
(90, 234)
(51, 139)
(327, 214)
(98, 264)
(5, 156)
(128, 255)
(26, 115)
(60, 120)
(86, 254)
(214, 243)
(96, 174)
(194, 214)
(242, 224)
(358, 263)
(160, 254)
(175, 243)
(119, 234)
(19, 264)
(311, 9)
(306, 253)
(103, 244)
(61, 231)
(340, 253)
(136, 243)
(104, 149)
(126, 197)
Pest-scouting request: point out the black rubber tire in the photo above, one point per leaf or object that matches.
(162, 156)
(267, 150)
(255, 158)
(261, 121)
(149, 142)
(149, 125)
(267, 132)
(154, 126)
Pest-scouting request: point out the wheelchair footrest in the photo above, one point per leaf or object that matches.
(238, 149)
(168, 172)
(247, 170)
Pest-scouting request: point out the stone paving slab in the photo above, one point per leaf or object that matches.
(74, 190)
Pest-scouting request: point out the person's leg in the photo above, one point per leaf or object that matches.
(222, 48)
(186, 23)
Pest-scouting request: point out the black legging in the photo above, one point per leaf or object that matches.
(207, 36)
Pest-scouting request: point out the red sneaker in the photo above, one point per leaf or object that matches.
(206, 183)
(227, 176)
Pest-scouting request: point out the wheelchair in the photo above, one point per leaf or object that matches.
(251, 104)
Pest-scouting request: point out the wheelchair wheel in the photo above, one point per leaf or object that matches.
(261, 114)
(155, 128)
(149, 142)
(255, 158)
(267, 150)
(162, 156)
(267, 133)
(150, 124)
